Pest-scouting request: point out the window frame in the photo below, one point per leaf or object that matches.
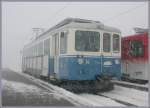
(141, 42)
(40, 48)
(99, 34)
(119, 49)
(110, 45)
(46, 50)
(64, 50)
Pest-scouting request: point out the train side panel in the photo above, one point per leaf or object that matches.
(87, 68)
(112, 67)
(135, 65)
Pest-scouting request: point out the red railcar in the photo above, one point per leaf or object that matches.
(135, 56)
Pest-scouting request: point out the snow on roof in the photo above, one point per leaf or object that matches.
(82, 23)
(140, 30)
(78, 23)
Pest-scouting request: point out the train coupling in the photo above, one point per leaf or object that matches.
(103, 83)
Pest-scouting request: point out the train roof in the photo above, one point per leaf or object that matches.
(136, 36)
(140, 30)
(81, 23)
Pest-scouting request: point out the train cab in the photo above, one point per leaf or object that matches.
(82, 53)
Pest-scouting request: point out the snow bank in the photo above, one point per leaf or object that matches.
(129, 95)
(26, 90)
(101, 100)
(19, 87)
(135, 97)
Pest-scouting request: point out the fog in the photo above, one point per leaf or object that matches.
(18, 19)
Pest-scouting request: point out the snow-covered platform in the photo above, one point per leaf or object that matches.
(18, 90)
(19, 86)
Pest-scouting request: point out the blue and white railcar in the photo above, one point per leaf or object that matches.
(75, 50)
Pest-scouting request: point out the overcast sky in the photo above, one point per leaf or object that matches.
(18, 19)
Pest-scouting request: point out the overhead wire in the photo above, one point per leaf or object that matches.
(53, 16)
(122, 13)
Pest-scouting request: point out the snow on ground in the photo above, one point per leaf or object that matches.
(135, 97)
(134, 84)
(19, 87)
(129, 95)
(78, 100)
(26, 89)
(100, 100)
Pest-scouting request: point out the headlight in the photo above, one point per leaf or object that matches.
(117, 61)
(107, 63)
(80, 61)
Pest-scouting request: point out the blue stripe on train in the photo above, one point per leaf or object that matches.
(73, 68)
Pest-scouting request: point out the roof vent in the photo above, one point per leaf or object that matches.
(140, 30)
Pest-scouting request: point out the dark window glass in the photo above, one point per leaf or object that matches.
(40, 49)
(36, 50)
(32, 51)
(63, 42)
(87, 41)
(116, 42)
(47, 47)
(136, 48)
(106, 42)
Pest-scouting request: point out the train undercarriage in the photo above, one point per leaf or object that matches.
(101, 84)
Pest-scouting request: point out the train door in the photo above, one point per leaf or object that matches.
(106, 53)
(55, 50)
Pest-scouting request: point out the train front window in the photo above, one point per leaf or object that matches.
(106, 42)
(116, 41)
(136, 48)
(87, 41)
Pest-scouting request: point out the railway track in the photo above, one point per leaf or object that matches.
(112, 98)
(128, 96)
(105, 97)
(131, 85)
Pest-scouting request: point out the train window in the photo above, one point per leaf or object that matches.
(136, 48)
(28, 52)
(116, 41)
(55, 44)
(32, 51)
(87, 41)
(25, 53)
(40, 49)
(63, 42)
(36, 50)
(47, 47)
(106, 42)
